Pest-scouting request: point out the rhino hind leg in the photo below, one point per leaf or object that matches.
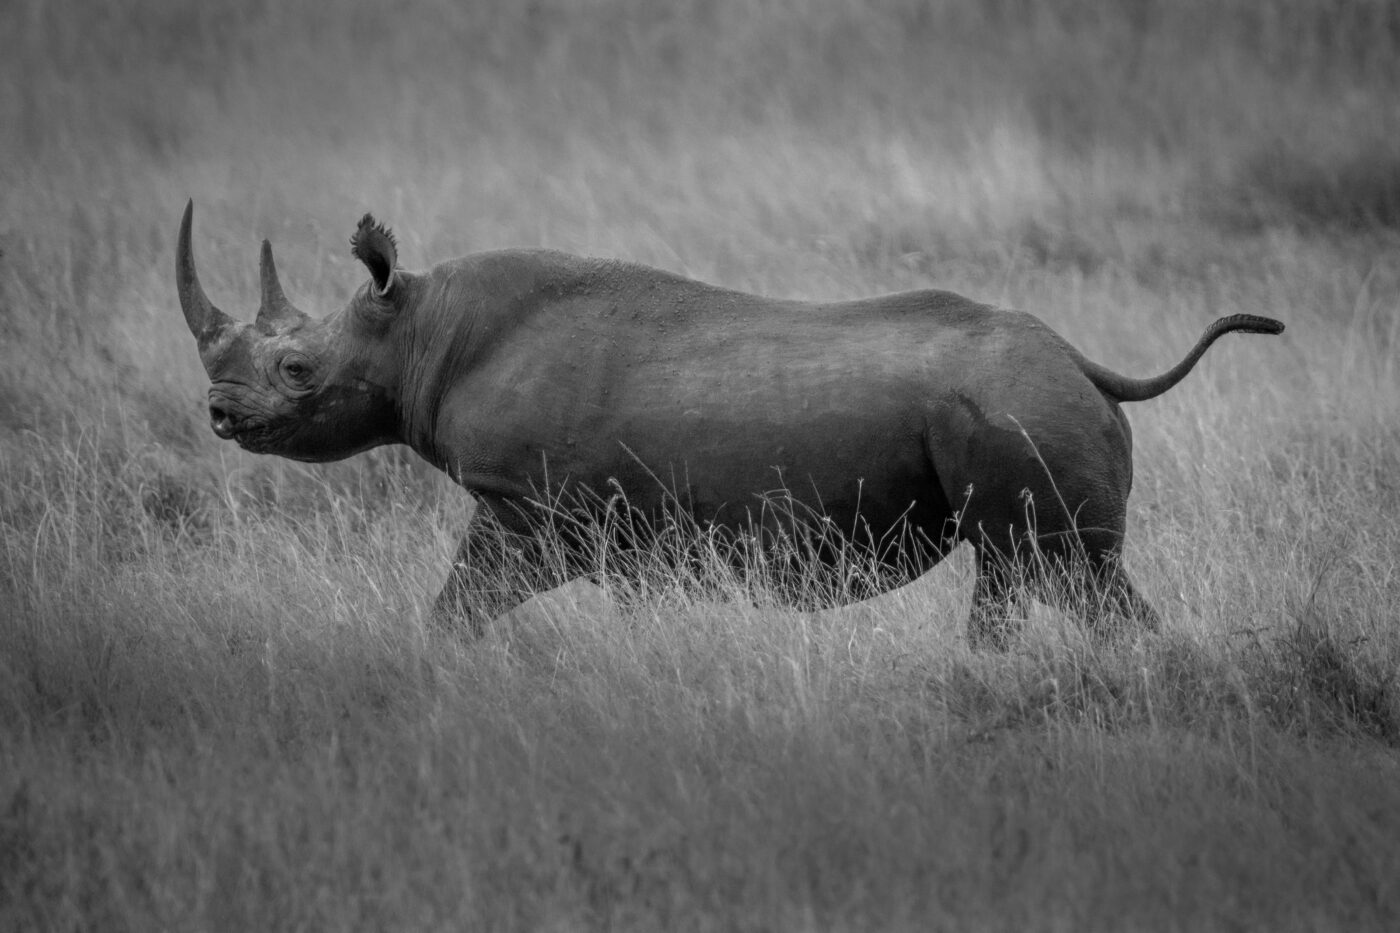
(1046, 512)
(1111, 600)
(1094, 588)
(996, 595)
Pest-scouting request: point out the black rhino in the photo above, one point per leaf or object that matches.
(898, 426)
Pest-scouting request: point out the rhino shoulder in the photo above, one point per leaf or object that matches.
(521, 264)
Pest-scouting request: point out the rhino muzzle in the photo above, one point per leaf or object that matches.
(223, 421)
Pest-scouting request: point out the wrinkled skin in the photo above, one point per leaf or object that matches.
(897, 426)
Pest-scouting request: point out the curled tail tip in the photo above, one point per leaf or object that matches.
(1250, 324)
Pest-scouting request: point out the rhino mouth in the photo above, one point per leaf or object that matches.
(254, 440)
(243, 434)
(252, 434)
(234, 416)
(262, 437)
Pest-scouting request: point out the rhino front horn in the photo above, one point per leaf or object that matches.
(205, 321)
(276, 309)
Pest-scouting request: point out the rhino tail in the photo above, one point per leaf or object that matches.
(1125, 389)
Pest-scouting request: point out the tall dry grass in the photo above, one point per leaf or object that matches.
(220, 706)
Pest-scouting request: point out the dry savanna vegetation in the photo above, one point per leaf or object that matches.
(221, 707)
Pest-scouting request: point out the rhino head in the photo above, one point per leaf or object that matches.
(292, 385)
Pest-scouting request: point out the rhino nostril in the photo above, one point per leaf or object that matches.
(222, 421)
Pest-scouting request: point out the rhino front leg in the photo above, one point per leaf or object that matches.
(472, 595)
(504, 559)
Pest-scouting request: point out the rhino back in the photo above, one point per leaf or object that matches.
(596, 371)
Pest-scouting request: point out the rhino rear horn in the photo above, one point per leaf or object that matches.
(276, 309)
(205, 321)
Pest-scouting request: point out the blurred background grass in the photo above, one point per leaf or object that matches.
(219, 704)
(813, 149)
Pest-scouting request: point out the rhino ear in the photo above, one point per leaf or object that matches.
(373, 244)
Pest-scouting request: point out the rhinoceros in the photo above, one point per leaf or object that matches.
(897, 426)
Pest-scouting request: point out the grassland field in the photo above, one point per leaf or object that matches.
(222, 707)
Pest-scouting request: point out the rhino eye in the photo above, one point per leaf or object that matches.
(296, 371)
